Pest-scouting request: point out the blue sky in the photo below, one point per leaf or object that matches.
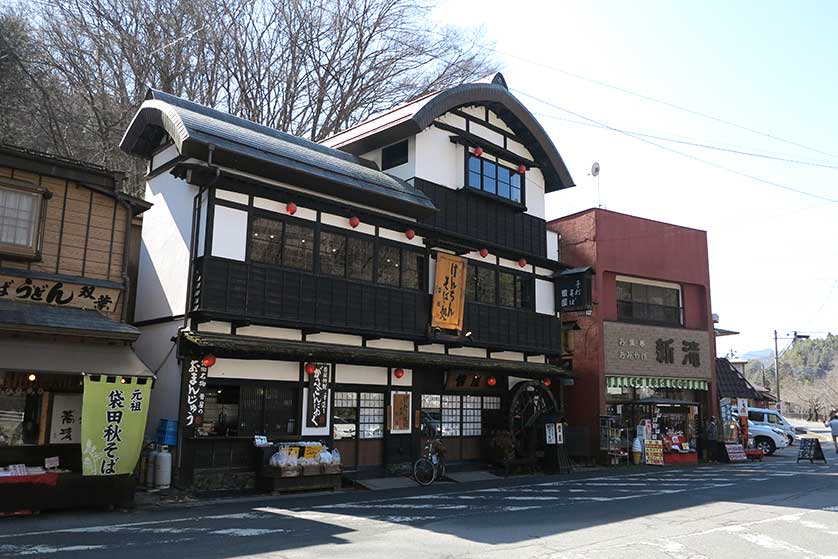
(768, 66)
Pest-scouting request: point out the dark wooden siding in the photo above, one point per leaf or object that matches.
(271, 295)
(513, 329)
(484, 219)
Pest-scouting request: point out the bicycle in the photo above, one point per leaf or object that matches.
(431, 465)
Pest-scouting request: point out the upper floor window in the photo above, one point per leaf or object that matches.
(493, 286)
(400, 267)
(279, 242)
(393, 156)
(493, 178)
(639, 302)
(20, 218)
(346, 256)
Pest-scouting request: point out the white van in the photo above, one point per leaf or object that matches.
(772, 418)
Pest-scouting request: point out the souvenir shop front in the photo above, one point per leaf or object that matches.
(376, 416)
(72, 417)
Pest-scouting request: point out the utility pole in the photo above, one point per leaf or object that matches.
(777, 366)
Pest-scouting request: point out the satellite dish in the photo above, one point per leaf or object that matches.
(595, 169)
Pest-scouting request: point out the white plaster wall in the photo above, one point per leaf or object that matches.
(340, 339)
(508, 355)
(230, 196)
(280, 208)
(384, 343)
(467, 351)
(534, 184)
(215, 326)
(553, 245)
(399, 237)
(164, 157)
(229, 233)
(202, 225)
(438, 160)
(486, 134)
(475, 255)
(357, 374)
(545, 297)
(431, 274)
(153, 347)
(406, 380)
(518, 149)
(432, 348)
(255, 369)
(164, 251)
(343, 223)
(270, 332)
(496, 121)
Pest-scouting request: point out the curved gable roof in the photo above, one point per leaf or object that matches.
(413, 117)
(244, 145)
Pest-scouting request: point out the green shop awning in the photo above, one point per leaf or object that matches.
(657, 382)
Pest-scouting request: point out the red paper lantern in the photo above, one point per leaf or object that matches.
(398, 373)
(478, 151)
(484, 252)
(522, 262)
(491, 381)
(410, 233)
(310, 368)
(354, 222)
(291, 208)
(208, 360)
(547, 382)
(522, 169)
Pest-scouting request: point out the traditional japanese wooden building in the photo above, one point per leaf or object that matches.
(68, 238)
(393, 283)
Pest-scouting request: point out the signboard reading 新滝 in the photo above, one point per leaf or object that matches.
(113, 424)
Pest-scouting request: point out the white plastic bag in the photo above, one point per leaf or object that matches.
(335, 456)
(325, 457)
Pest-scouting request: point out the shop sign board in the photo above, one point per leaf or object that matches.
(654, 452)
(654, 351)
(574, 291)
(312, 450)
(400, 404)
(449, 292)
(196, 384)
(559, 433)
(318, 396)
(62, 294)
(550, 434)
(735, 453)
(742, 406)
(65, 426)
(113, 424)
(810, 449)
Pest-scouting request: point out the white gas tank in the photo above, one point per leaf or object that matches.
(149, 469)
(163, 469)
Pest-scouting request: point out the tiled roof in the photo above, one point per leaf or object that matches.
(35, 317)
(731, 383)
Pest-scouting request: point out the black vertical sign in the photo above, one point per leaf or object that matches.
(196, 383)
(318, 397)
(573, 290)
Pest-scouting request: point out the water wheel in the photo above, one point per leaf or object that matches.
(531, 401)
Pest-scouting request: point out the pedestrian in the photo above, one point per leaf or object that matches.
(833, 426)
(712, 436)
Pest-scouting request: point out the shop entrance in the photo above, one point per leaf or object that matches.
(358, 427)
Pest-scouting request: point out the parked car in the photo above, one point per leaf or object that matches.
(772, 418)
(767, 439)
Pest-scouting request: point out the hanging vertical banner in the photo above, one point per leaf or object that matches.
(65, 427)
(196, 384)
(400, 404)
(449, 292)
(318, 397)
(113, 424)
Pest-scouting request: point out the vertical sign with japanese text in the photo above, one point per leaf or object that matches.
(113, 424)
(196, 383)
(65, 427)
(318, 397)
(449, 292)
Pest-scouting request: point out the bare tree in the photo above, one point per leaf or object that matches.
(309, 67)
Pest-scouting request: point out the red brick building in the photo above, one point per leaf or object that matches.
(646, 350)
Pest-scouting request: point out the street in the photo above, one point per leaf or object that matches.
(776, 507)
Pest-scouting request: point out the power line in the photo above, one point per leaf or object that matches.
(695, 144)
(666, 103)
(681, 153)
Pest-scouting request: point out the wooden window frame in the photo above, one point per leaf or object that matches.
(520, 204)
(497, 270)
(33, 252)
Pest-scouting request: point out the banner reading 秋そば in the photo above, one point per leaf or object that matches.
(113, 424)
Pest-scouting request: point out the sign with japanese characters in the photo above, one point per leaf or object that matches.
(638, 350)
(401, 412)
(449, 292)
(65, 426)
(113, 424)
(59, 293)
(196, 384)
(654, 452)
(574, 291)
(318, 396)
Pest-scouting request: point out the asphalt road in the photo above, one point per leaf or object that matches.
(774, 509)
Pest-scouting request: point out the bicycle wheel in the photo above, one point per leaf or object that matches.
(424, 472)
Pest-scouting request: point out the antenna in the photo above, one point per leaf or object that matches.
(595, 173)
